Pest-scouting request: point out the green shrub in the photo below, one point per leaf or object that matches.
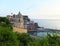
(8, 38)
(23, 39)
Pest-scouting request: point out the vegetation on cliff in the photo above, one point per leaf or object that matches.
(10, 38)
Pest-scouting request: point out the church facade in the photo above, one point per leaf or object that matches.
(17, 22)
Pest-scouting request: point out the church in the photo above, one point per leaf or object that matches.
(19, 22)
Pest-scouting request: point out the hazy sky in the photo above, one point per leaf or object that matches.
(33, 8)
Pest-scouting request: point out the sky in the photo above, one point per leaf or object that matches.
(35, 9)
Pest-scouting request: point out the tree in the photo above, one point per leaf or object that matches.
(4, 20)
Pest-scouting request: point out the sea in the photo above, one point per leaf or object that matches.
(47, 23)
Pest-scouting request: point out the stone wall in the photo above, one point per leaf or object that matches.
(20, 30)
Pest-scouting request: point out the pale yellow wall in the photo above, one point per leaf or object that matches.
(20, 30)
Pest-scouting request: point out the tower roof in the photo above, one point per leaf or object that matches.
(19, 14)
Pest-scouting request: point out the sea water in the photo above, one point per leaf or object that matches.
(48, 23)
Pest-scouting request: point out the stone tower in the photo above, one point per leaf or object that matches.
(19, 15)
(21, 21)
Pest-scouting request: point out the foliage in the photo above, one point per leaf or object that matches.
(34, 42)
(4, 20)
(53, 40)
(8, 38)
(23, 39)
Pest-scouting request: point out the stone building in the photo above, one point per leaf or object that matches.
(26, 21)
(22, 23)
(17, 22)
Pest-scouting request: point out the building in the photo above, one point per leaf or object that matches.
(17, 22)
(26, 21)
(35, 26)
(16, 19)
(22, 23)
(31, 25)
